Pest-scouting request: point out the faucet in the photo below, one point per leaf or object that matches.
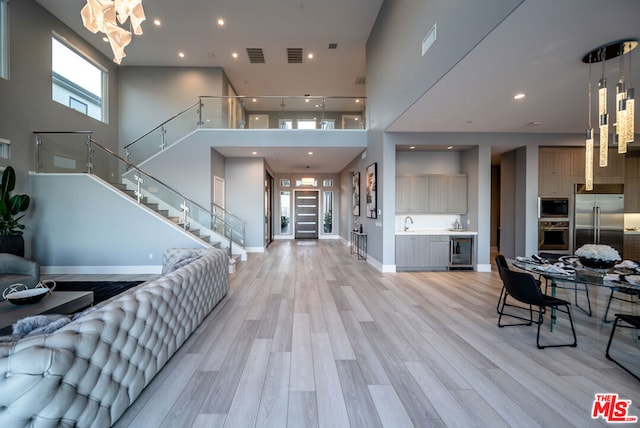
(405, 222)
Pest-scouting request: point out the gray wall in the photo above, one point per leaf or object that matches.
(95, 229)
(397, 73)
(245, 197)
(151, 95)
(25, 98)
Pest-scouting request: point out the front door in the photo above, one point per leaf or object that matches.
(306, 222)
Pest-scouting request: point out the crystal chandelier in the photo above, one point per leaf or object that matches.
(104, 16)
(624, 105)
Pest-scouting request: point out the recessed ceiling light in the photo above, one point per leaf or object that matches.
(254, 100)
(181, 54)
(157, 22)
(310, 153)
(357, 119)
(310, 56)
(449, 147)
(412, 148)
(220, 22)
(234, 54)
(357, 101)
(519, 96)
(254, 153)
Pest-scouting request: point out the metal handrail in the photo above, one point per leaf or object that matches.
(162, 124)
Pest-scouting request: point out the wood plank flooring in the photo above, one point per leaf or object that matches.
(309, 336)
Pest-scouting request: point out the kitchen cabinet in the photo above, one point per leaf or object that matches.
(422, 252)
(431, 194)
(447, 194)
(631, 248)
(632, 184)
(560, 168)
(411, 194)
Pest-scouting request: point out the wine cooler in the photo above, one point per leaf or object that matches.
(461, 252)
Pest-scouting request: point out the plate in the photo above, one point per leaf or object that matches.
(27, 297)
(633, 279)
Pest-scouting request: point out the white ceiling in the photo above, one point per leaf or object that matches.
(536, 50)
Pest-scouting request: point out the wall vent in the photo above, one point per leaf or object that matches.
(360, 81)
(256, 55)
(333, 46)
(294, 55)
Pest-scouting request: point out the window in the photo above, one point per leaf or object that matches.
(77, 82)
(327, 212)
(4, 40)
(306, 124)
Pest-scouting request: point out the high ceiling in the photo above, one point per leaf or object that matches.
(536, 50)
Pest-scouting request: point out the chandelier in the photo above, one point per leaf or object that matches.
(624, 104)
(104, 16)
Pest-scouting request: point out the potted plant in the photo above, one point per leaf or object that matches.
(11, 240)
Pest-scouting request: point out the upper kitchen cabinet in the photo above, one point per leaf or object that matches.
(560, 168)
(448, 194)
(632, 184)
(431, 194)
(411, 194)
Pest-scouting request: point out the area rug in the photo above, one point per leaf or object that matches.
(102, 290)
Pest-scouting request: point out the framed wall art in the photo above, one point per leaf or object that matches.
(355, 193)
(372, 184)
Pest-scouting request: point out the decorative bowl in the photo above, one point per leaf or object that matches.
(597, 263)
(27, 297)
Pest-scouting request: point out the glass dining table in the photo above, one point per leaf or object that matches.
(579, 278)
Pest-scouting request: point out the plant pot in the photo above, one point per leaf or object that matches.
(12, 244)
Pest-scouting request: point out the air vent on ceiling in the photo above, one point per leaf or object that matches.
(360, 81)
(333, 46)
(256, 55)
(294, 55)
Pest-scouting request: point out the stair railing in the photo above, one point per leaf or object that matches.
(232, 227)
(61, 152)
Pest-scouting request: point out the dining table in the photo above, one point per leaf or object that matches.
(568, 269)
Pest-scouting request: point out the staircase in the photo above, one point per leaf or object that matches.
(165, 213)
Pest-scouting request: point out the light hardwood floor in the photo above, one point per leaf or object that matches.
(310, 336)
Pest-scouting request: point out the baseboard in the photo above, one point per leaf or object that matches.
(254, 249)
(483, 267)
(100, 270)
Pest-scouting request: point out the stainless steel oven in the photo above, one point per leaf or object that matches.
(553, 235)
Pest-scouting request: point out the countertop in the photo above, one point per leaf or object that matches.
(435, 232)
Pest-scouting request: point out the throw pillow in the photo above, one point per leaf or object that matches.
(40, 324)
(182, 261)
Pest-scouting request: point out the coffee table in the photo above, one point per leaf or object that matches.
(59, 302)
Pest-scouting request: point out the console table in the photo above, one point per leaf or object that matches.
(59, 302)
(359, 244)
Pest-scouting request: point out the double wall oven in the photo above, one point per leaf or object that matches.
(554, 225)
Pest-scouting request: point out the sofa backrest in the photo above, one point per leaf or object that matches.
(88, 372)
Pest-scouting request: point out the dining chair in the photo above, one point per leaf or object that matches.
(633, 298)
(523, 287)
(628, 321)
(576, 287)
(503, 265)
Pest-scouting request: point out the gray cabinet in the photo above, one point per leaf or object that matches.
(632, 184)
(422, 252)
(631, 249)
(431, 194)
(411, 194)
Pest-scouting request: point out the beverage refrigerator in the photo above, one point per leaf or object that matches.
(599, 215)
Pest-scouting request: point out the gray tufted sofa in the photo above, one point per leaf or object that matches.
(88, 372)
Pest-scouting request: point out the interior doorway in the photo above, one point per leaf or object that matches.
(306, 214)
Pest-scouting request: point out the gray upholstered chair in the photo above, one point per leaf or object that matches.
(17, 270)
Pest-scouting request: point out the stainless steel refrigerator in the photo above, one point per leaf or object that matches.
(599, 216)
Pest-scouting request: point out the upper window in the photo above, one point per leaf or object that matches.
(77, 82)
(4, 40)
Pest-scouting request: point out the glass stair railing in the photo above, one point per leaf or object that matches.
(77, 152)
(240, 112)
